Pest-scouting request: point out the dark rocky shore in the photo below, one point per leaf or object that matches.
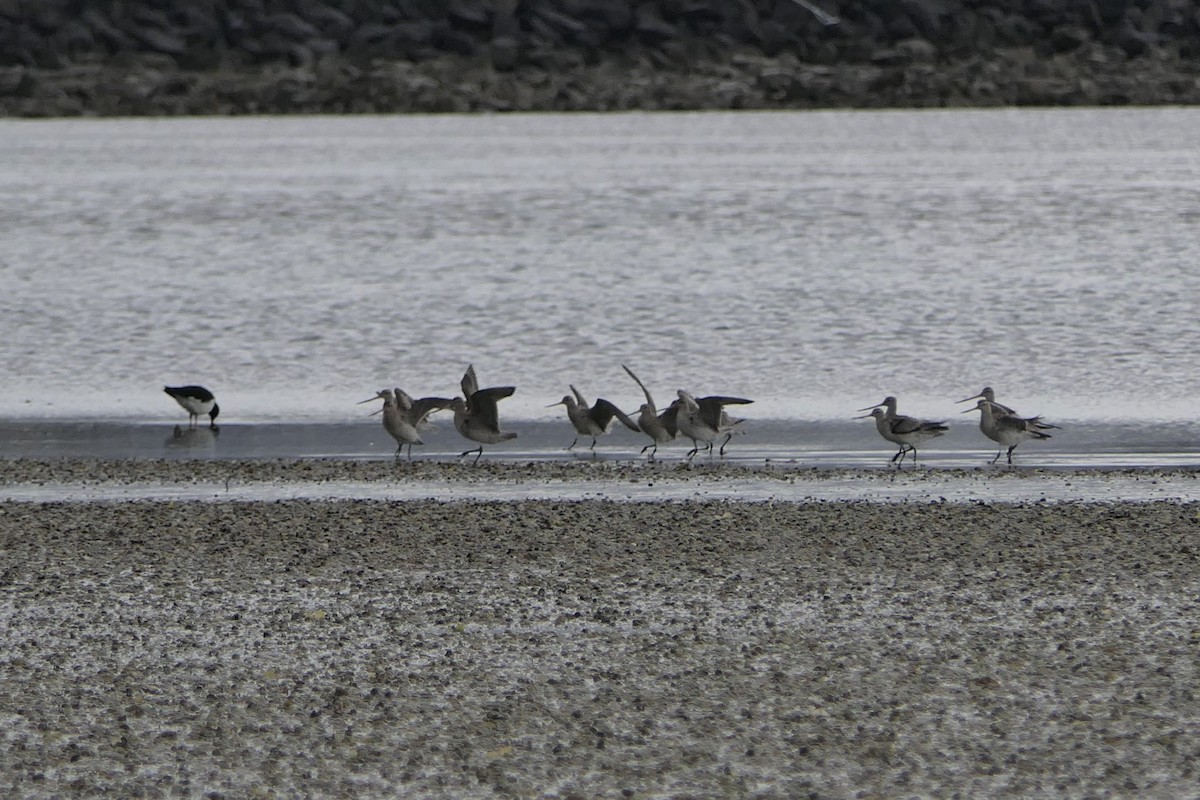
(174, 57)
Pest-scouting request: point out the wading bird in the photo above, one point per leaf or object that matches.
(705, 419)
(476, 416)
(196, 400)
(907, 432)
(1007, 430)
(403, 416)
(661, 428)
(593, 421)
(990, 396)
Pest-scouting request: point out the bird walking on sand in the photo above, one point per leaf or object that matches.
(1007, 430)
(1000, 408)
(907, 432)
(403, 416)
(196, 400)
(476, 416)
(661, 428)
(594, 420)
(705, 419)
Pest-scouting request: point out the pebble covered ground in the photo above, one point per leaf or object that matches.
(594, 649)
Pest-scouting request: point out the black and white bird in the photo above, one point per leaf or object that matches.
(197, 401)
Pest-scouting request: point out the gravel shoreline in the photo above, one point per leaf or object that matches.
(101, 471)
(596, 649)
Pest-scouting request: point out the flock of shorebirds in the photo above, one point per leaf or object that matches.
(703, 420)
(477, 418)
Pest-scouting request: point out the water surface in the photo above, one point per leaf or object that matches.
(811, 261)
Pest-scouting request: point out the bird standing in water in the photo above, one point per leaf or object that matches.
(403, 416)
(907, 432)
(705, 419)
(594, 420)
(197, 401)
(661, 428)
(476, 416)
(1007, 430)
(1001, 409)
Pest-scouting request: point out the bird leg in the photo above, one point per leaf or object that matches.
(573, 441)
(998, 452)
(478, 450)
(728, 436)
(1014, 447)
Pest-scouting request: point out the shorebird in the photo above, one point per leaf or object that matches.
(899, 429)
(594, 420)
(990, 396)
(661, 428)
(475, 413)
(196, 400)
(705, 419)
(1008, 430)
(403, 416)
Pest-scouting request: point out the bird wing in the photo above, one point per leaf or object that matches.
(670, 419)
(403, 399)
(649, 399)
(689, 403)
(483, 404)
(711, 408)
(470, 384)
(198, 392)
(578, 397)
(901, 425)
(604, 411)
(425, 406)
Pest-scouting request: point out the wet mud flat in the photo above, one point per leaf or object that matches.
(599, 649)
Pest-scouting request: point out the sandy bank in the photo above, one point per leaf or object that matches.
(595, 649)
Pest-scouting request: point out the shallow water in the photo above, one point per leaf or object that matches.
(821, 444)
(811, 261)
(773, 460)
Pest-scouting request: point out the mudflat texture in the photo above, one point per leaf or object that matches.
(594, 649)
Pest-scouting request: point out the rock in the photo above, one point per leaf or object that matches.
(469, 13)
(328, 20)
(159, 40)
(909, 51)
(73, 39)
(505, 53)
(17, 82)
(1066, 38)
(652, 28)
(613, 17)
(290, 26)
(452, 40)
(926, 16)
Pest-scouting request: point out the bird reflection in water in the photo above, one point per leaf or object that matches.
(192, 438)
